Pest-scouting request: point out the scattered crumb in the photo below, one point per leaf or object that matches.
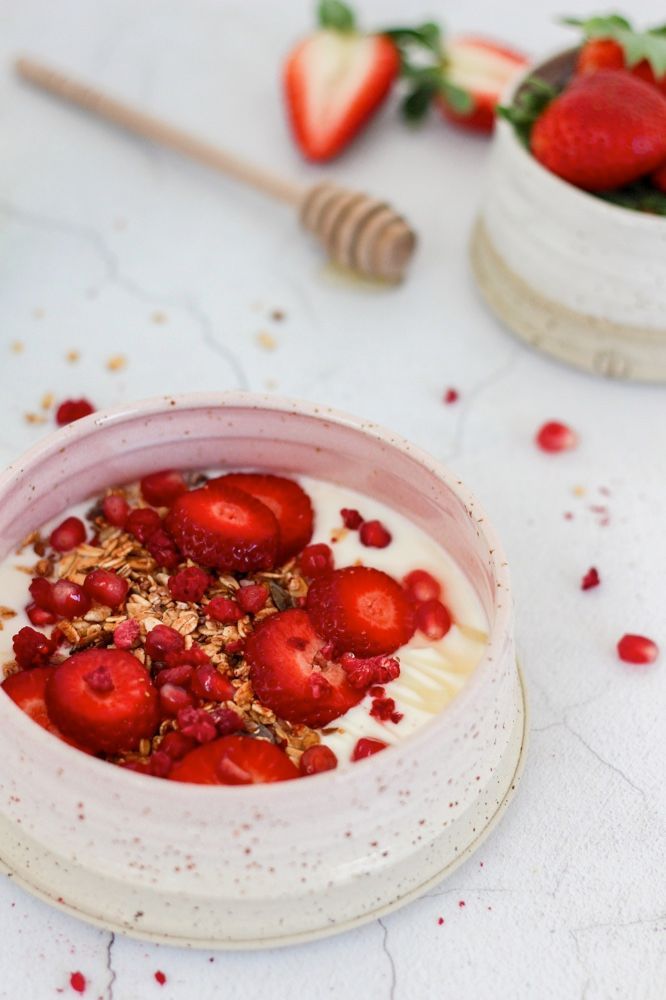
(579, 491)
(38, 314)
(48, 399)
(451, 396)
(271, 383)
(159, 317)
(440, 921)
(73, 356)
(591, 579)
(266, 341)
(17, 347)
(568, 516)
(116, 363)
(277, 315)
(160, 977)
(34, 418)
(461, 903)
(480, 864)
(602, 513)
(605, 492)
(337, 534)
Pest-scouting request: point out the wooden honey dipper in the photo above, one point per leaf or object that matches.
(360, 233)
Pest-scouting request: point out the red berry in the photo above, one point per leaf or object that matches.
(361, 673)
(163, 640)
(104, 699)
(235, 760)
(289, 503)
(160, 764)
(361, 610)
(189, 585)
(209, 684)
(421, 586)
(591, 579)
(451, 396)
(317, 759)
(637, 649)
(384, 710)
(224, 527)
(223, 610)
(163, 550)
(252, 599)
(197, 723)
(115, 509)
(366, 747)
(68, 535)
(161, 488)
(106, 587)
(316, 560)
(374, 535)
(180, 675)
(73, 409)
(142, 523)
(227, 721)
(291, 677)
(69, 600)
(41, 592)
(176, 744)
(173, 698)
(38, 617)
(351, 518)
(433, 619)
(195, 656)
(555, 436)
(126, 634)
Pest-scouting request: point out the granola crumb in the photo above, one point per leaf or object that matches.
(17, 347)
(72, 356)
(579, 491)
(277, 315)
(159, 317)
(34, 418)
(271, 383)
(48, 399)
(38, 313)
(116, 363)
(266, 341)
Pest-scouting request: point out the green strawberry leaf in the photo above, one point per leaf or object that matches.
(427, 36)
(459, 100)
(336, 15)
(417, 103)
(636, 45)
(641, 197)
(529, 104)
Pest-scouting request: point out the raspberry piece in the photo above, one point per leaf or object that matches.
(195, 656)
(227, 721)
(317, 759)
(176, 744)
(319, 686)
(554, 436)
(173, 698)
(316, 560)
(351, 518)
(39, 617)
(196, 723)
(106, 588)
(68, 535)
(361, 610)
(433, 619)
(71, 410)
(252, 599)
(637, 649)
(384, 710)
(163, 640)
(374, 535)
(142, 523)
(161, 488)
(41, 592)
(235, 760)
(286, 499)
(115, 509)
(126, 634)
(225, 528)
(180, 675)
(189, 585)
(210, 684)
(163, 550)
(591, 579)
(366, 747)
(361, 673)
(451, 396)
(223, 610)
(104, 699)
(69, 600)
(160, 764)
(420, 586)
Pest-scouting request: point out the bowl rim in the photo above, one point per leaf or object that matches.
(585, 199)
(181, 792)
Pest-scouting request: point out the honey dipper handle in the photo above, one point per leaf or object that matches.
(149, 127)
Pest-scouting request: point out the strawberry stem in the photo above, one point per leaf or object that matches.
(529, 104)
(637, 46)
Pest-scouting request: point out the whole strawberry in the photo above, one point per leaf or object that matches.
(613, 43)
(604, 131)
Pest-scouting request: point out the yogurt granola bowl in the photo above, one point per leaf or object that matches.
(243, 864)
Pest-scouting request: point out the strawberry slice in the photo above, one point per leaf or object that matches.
(104, 699)
(290, 674)
(221, 526)
(361, 610)
(335, 80)
(234, 760)
(476, 73)
(27, 689)
(288, 501)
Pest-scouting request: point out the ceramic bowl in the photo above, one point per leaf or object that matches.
(576, 277)
(265, 864)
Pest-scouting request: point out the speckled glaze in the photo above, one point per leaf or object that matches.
(259, 865)
(576, 277)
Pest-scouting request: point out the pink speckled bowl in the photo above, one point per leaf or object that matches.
(260, 865)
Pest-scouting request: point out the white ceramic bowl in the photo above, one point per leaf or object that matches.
(576, 277)
(266, 864)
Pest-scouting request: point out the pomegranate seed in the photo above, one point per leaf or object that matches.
(160, 764)
(433, 619)
(193, 657)
(351, 518)
(163, 640)
(319, 685)
(126, 634)
(39, 617)
(637, 649)
(420, 586)
(227, 721)
(189, 585)
(142, 523)
(163, 549)
(68, 535)
(591, 579)
(69, 599)
(106, 588)
(31, 648)
(116, 510)
(317, 759)
(555, 436)
(160, 977)
(366, 747)
(41, 592)
(78, 982)
(374, 535)
(176, 745)
(223, 610)
(71, 410)
(208, 683)
(198, 724)
(316, 560)
(161, 488)
(252, 599)
(173, 699)
(100, 680)
(361, 673)
(451, 396)
(180, 675)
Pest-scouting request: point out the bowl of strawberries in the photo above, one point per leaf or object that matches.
(568, 250)
(259, 673)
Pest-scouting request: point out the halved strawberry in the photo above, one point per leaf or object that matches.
(224, 527)
(479, 70)
(288, 501)
(659, 178)
(290, 674)
(234, 760)
(104, 699)
(361, 610)
(335, 80)
(27, 689)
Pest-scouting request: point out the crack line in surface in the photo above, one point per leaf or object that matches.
(109, 966)
(496, 376)
(388, 954)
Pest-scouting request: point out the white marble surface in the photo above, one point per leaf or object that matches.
(99, 233)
